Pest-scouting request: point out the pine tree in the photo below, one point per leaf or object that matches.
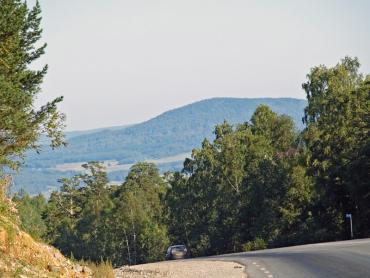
(20, 123)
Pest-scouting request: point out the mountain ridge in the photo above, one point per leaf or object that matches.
(173, 132)
(79, 132)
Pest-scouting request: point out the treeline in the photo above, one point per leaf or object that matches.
(93, 220)
(258, 184)
(176, 131)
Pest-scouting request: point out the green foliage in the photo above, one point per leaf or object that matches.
(8, 215)
(93, 220)
(264, 184)
(171, 133)
(256, 185)
(20, 124)
(337, 137)
(241, 186)
(30, 210)
(139, 216)
(253, 185)
(76, 216)
(256, 244)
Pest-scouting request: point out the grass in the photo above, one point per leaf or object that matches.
(104, 269)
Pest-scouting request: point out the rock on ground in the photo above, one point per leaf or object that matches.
(22, 256)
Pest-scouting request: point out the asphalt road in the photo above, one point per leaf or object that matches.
(333, 259)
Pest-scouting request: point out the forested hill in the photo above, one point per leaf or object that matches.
(171, 133)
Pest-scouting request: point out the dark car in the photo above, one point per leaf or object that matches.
(175, 252)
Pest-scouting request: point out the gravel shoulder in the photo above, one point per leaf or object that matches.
(183, 269)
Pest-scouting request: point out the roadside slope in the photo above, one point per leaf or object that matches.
(22, 256)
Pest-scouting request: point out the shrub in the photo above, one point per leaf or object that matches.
(257, 244)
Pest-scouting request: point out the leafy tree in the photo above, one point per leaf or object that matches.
(94, 220)
(140, 215)
(280, 196)
(62, 215)
(337, 137)
(181, 208)
(248, 184)
(20, 123)
(279, 130)
(30, 210)
(78, 215)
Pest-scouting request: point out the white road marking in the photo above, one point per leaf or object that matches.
(267, 272)
(270, 276)
(263, 269)
(254, 263)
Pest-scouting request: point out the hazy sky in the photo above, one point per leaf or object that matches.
(119, 62)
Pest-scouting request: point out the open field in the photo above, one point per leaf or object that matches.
(113, 165)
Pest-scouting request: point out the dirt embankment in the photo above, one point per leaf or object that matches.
(22, 256)
(183, 269)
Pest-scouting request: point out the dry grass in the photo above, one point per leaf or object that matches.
(102, 270)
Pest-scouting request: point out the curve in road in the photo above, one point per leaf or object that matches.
(333, 259)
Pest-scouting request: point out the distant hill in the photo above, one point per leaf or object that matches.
(71, 134)
(174, 132)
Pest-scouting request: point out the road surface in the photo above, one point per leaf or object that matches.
(334, 259)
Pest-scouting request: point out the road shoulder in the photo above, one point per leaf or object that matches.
(182, 269)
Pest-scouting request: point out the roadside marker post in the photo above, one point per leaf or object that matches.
(349, 215)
